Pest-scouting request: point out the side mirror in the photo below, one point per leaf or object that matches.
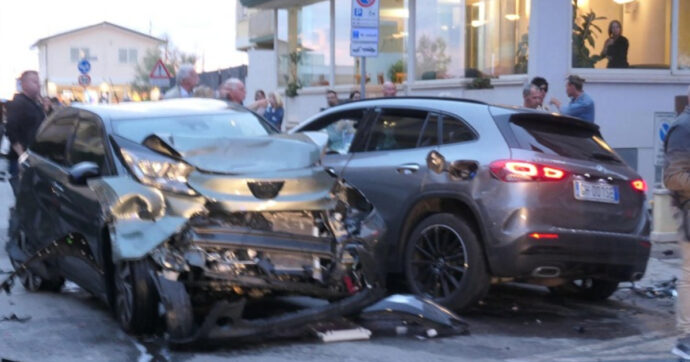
(436, 162)
(83, 171)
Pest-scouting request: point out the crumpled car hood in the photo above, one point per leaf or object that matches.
(246, 155)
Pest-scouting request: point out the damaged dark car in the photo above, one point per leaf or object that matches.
(187, 214)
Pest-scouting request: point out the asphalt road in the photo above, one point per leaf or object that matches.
(515, 322)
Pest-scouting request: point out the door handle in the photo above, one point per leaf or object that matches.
(408, 168)
(56, 188)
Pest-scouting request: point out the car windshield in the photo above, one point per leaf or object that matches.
(203, 125)
(562, 139)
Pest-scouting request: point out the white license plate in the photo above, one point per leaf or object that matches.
(597, 192)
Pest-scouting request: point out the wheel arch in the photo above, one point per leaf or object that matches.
(432, 203)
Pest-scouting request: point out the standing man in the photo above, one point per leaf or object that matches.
(187, 79)
(543, 86)
(233, 91)
(531, 96)
(581, 104)
(677, 180)
(389, 89)
(24, 116)
(331, 98)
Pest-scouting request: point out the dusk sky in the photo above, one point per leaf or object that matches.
(205, 28)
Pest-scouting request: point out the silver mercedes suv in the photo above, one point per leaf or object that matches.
(473, 193)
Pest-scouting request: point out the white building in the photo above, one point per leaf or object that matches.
(112, 50)
(438, 47)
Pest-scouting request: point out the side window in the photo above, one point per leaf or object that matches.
(88, 144)
(396, 130)
(341, 128)
(455, 131)
(51, 143)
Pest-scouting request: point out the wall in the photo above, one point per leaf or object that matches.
(103, 43)
(262, 74)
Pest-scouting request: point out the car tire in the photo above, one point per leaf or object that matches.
(444, 261)
(589, 289)
(33, 282)
(136, 298)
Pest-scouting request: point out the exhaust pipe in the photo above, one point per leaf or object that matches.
(546, 272)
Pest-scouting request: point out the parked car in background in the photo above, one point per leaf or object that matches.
(472, 191)
(196, 205)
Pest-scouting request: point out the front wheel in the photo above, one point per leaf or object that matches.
(136, 298)
(588, 288)
(444, 261)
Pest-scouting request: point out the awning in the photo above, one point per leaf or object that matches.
(276, 4)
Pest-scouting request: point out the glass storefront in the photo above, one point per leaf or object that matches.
(684, 35)
(439, 40)
(496, 37)
(620, 34)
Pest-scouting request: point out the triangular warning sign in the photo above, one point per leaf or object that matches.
(159, 71)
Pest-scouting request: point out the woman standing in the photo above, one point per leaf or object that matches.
(616, 46)
(274, 112)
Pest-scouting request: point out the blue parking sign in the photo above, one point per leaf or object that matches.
(84, 66)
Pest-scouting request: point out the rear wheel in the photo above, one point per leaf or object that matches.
(588, 288)
(33, 282)
(136, 299)
(444, 262)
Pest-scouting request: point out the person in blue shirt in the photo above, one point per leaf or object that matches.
(274, 112)
(581, 104)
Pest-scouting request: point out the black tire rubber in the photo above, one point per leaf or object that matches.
(474, 282)
(33, 282)
(589, 289)
(136, 297)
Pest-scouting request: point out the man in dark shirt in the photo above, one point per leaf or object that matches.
(24, 116)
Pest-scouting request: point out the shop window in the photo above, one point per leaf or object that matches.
(495, 37)
(684, 35)
(439, 40)
(645, 34)
(390, 64)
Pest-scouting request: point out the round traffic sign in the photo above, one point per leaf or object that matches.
(84, 66)
(366, 3)
(84, 80)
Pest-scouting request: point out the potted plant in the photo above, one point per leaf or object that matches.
(583, 34)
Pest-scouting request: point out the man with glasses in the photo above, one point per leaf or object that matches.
(543, 87)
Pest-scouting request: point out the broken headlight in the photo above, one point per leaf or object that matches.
(158, 171)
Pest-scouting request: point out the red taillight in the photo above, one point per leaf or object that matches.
(639, 185)
(543, 236)
(515, 171)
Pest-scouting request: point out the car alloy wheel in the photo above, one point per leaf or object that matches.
(444, 261)
(439, 261)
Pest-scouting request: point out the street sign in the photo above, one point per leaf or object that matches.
(159, 71)
(84, 66)
(364, 38)
(84, 80)
(160, 76)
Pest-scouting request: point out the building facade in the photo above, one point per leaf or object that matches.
(113, 51)
(450, 48)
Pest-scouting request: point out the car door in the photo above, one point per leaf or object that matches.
(457, 143)
(344, 129)
(390, 167)
(79, 207)
(47, 167)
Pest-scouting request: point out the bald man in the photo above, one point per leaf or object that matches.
(389, 89)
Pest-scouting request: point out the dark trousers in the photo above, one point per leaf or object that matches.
(13, 170)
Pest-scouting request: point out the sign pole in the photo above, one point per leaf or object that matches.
(363, 77)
